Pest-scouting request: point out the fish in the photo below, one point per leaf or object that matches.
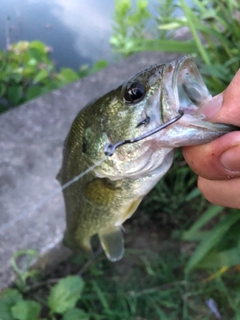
(106, 196)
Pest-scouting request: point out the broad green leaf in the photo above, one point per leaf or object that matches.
(65, 294)
(33, 92)
(36, 54)
(212, 239)
(15, 93)
(26, 310)
(50, 86)
(29, 72)
(75, 314)
(41, 75)
(8, 299)
(98, 65)
(208, 215)
(17, 77)
(38, 45)
(68, 75)
(32, 62)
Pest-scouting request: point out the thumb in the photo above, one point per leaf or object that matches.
(225, 107)
(220, 159)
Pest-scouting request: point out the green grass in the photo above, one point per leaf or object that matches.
(213, 34)
(146, 284)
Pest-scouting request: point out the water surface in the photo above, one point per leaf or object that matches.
(78, 31)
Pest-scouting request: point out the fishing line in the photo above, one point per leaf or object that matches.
(109, 149)
(83, 173)
(56, 191)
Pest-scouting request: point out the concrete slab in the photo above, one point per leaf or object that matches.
(31, 140)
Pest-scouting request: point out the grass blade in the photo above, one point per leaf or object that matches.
(192, 26)
(101, 297)
(208, 215)
(227, 258)
(161, 45)
(212, 239)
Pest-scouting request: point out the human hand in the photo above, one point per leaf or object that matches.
(218, 162)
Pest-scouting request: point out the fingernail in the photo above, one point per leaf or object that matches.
(213, 106)
(230, 159)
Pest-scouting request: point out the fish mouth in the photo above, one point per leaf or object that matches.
(186, 91)
(190, 92)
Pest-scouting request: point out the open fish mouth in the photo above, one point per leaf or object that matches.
(190, 92)
(185, 90)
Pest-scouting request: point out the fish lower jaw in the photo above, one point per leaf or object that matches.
(199, 121)
(145, 165)
(189, 131)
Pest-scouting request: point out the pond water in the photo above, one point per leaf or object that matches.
(77, 30)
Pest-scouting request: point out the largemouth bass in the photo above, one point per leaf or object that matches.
(105, 197)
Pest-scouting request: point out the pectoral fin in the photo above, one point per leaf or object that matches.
(113, 243)
(130, 210)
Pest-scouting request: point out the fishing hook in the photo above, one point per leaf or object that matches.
(110, 148)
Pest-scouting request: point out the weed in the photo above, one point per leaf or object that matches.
(212, 30)
(26, 72)
(147, 284)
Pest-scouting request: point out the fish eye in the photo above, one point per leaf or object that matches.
(134, 92)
